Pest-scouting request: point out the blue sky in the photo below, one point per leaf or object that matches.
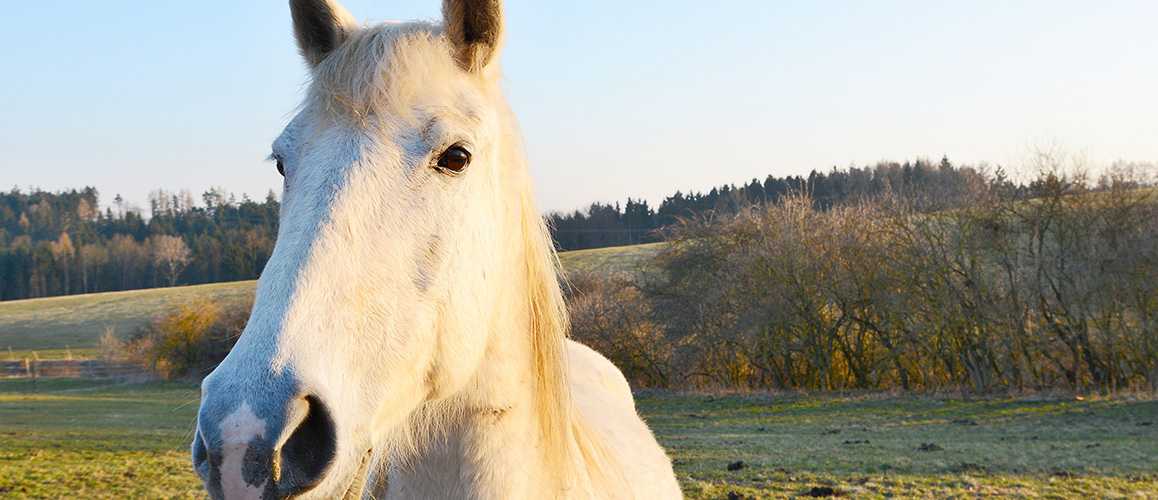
(616, 98)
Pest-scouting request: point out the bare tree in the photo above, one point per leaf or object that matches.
(171, 255)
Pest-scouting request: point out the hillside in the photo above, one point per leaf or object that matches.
(77, 322)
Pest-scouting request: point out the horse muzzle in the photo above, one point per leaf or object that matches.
(270, 444)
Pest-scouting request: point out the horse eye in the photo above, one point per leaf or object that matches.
(280, 167)
(454, 160)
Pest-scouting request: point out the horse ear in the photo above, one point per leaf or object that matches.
(475, 30)
(320, 27)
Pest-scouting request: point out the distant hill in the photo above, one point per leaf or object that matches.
(76, 322)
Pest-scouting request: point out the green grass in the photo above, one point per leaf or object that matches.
(94, 440)
(628, 259)
(74, 439)
(50, 326)
(867, 447)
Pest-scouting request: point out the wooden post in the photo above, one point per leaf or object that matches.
(35, 369)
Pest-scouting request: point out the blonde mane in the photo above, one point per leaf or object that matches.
(550, 327)
(549, 324)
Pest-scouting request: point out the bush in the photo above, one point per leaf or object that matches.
(612, 316)
(1052, 291)
(187, 343)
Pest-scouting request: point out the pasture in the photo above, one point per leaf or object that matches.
(88, 439)
(50, 326)
(98, 439)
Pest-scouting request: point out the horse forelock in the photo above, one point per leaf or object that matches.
(380, 66)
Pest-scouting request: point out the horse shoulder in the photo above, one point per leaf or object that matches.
(604, 401)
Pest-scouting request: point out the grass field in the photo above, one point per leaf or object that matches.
(51, 327)
(629, 259)
(80, 439)
(91, 439)
(78, 321)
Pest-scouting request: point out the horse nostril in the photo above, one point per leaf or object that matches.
(308, 452)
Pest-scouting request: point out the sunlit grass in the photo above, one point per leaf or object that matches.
(77, 322)
(81, 439)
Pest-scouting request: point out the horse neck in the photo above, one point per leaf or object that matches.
(511, 431)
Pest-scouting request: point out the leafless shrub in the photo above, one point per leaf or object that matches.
(611, 315)
(1054, 287)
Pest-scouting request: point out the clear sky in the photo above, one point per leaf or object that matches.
(616, 98)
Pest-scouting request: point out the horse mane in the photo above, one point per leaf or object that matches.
(549, 321)
(567, 439)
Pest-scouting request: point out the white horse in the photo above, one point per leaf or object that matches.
(409, 334)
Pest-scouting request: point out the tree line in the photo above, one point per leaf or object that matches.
(63, 243)
(633, 222)
(1052, 284)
